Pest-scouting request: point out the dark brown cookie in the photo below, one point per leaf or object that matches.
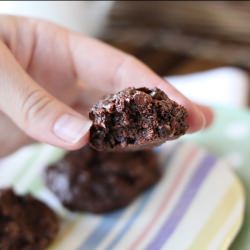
(98, 182)
(135, 119)
(25, 223)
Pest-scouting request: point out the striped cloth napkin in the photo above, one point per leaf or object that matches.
(198, 204)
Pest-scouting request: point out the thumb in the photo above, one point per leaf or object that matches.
(35, 111)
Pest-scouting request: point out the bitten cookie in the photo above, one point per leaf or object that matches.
(25, 223)
(98, 182)
(136, 119)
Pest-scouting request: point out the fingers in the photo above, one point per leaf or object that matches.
(35, 111)
(110, 70)
(208, 113)
(143, 76)
(7, 128)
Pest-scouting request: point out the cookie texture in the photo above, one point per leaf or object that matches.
(99, 182)
(136, 118)
(25, 223)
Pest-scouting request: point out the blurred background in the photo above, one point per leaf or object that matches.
(172, 37)
(201, 47)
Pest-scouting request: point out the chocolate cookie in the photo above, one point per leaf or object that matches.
(25, 223)
(98, 182)
(135, 119)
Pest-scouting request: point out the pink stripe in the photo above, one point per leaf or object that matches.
(169, 194)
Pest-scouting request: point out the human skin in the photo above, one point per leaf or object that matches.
(49, 77)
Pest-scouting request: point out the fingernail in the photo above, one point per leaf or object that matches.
(197, 120)
(71, 128)
(203, 123)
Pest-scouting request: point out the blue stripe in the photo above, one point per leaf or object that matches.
(184, 202)
(131, 220)
(143, 203)
(109, 221)
(102, 230)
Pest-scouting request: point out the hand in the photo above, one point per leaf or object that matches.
(50, 76)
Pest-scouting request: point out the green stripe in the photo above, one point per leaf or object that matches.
(37, 183)
(26, 165)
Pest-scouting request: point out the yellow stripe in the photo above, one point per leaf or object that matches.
(218, 218)
(231, 234)
(66, 232)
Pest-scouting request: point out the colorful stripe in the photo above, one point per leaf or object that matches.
(130, 221)
(102, 230)
(62, 235)
(109, 221)
(184, 203)
(167, 197)
(217, 219)
(224, 234)
(167, 207)
(26, 166)
(166, 162)
(232, 232)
